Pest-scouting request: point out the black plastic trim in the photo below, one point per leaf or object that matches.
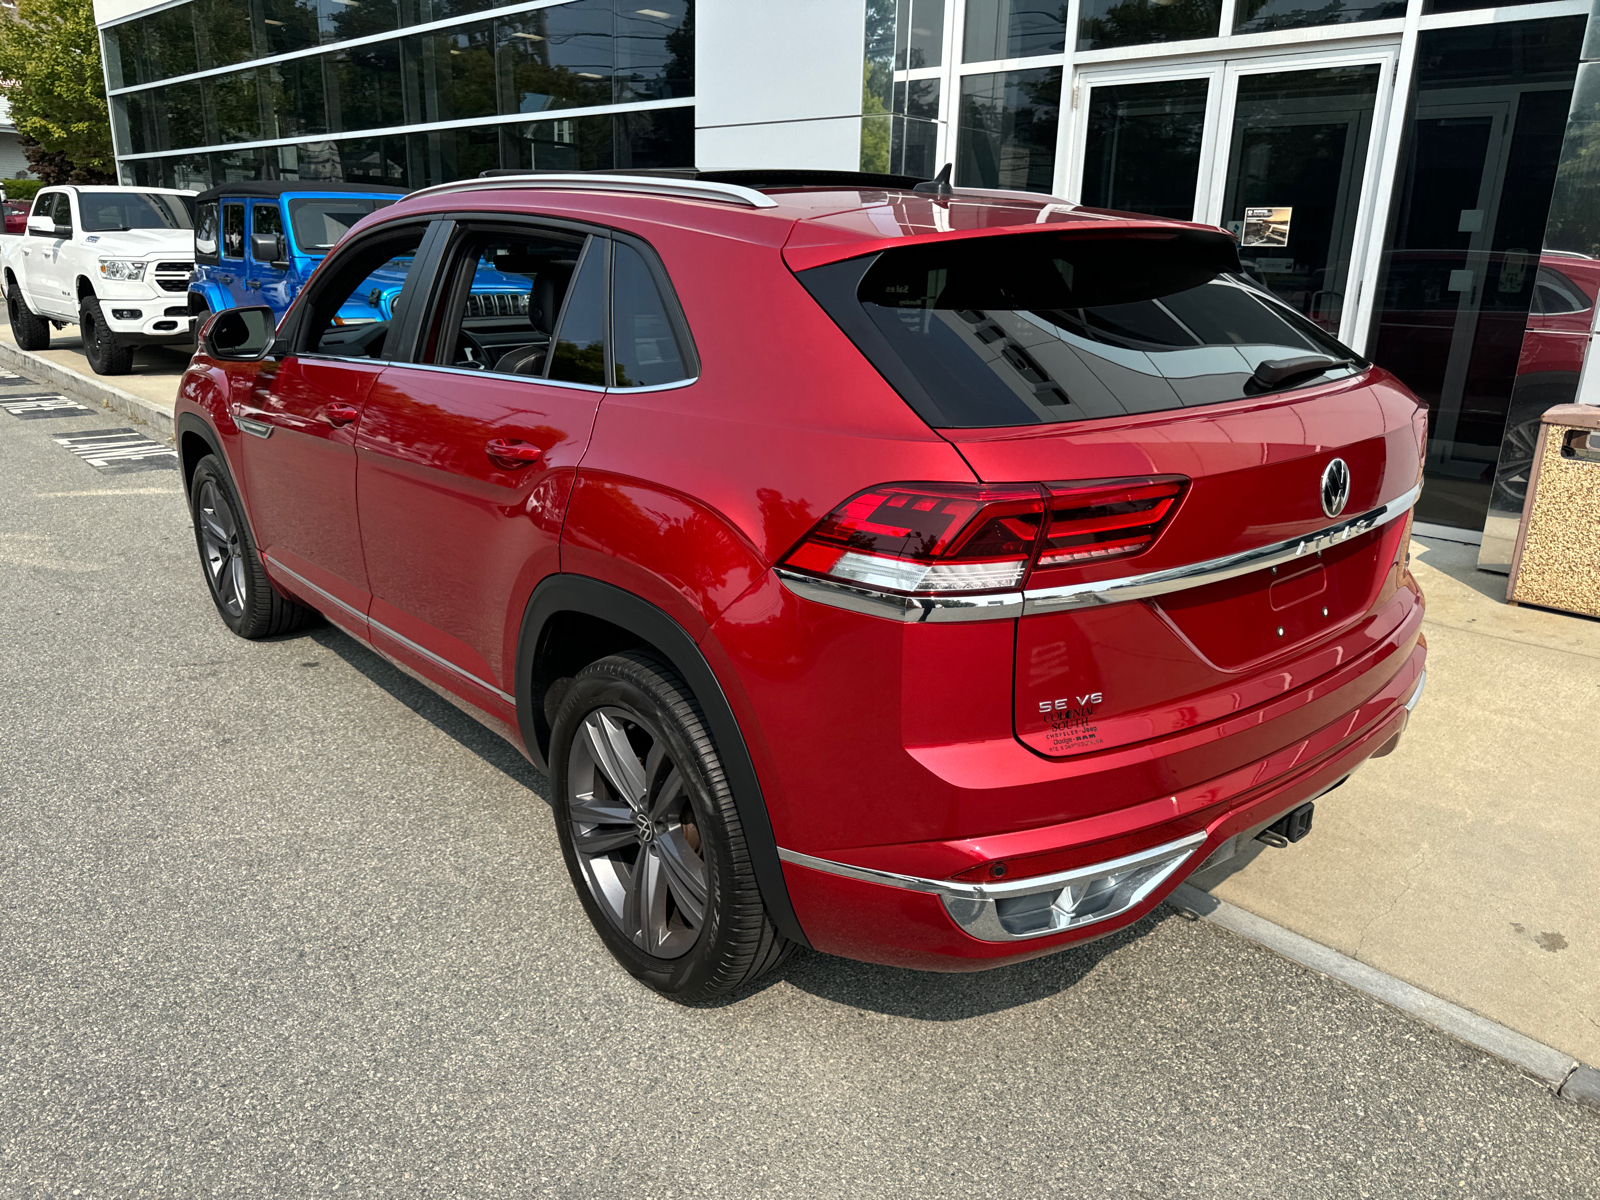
(581, 594)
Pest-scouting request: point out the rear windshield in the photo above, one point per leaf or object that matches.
(1045, 328)
(319, 222)
(106, 212)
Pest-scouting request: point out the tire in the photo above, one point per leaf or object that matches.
(201, 313)
(99, 343)
(32, 332)
(638, 785)
(245, 598)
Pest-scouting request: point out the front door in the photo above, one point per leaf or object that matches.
(303, 413)
(231, 271)
(467, 458)
(1278, 150)
(268, 277)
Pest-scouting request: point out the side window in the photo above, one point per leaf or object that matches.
(579, 354)
(44, 205)
(266, 223)
(233, 231)
(643, 344)
(205, 232)
(353, 299)
(506, 294)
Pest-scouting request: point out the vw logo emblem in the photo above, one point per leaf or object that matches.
(646, 830)
(1335, 487)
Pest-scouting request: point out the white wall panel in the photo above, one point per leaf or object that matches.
(776, 60)
(111, 10)
(819, 145)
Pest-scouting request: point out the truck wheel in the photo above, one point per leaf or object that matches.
(31, 332)
(99, 343)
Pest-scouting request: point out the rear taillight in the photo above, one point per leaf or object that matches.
(1105, 519)
(933, 539)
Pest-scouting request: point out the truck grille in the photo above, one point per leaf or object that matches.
(497, 304)
(173, 276)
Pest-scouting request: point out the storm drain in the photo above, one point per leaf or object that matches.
(119, 451)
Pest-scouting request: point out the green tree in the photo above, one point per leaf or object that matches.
(50, 62)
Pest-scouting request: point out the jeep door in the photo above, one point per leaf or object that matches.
(304, 409)
(466, 456)
(267, 277)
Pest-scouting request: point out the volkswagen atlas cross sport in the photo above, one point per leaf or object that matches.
(932, 578)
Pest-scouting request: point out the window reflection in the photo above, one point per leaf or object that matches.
(1257, 16)
(1013, 29)
(1006, 136)
(1105, 23)
(1143, 149)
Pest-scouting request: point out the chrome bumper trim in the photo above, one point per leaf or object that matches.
(999, 912)
(1006, 605)
(1422, 682)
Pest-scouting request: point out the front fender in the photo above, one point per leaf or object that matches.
(210, 294)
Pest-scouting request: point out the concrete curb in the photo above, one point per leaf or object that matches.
(1565, 1076)
(82, 387)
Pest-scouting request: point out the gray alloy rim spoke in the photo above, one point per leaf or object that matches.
(615, 757)
(605, 838)
(236, 579)
(213, 527)
(686, 875)
(219, 538)
(631, 825)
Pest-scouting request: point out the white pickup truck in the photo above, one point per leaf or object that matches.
(116, 261)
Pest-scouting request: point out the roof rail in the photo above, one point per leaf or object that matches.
(687, 189)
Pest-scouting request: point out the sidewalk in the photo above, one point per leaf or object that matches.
(1467, 862)
(146, 394)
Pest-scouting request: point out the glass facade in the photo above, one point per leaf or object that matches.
(481, 72)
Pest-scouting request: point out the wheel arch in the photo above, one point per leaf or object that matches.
(569, 617)
(195, 439)
(84, 288)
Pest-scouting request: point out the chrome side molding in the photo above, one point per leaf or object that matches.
(997, 606)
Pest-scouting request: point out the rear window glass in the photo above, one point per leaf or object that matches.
(319, 222)
(1042, 328)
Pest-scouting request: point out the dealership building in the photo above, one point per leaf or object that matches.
(1421, 177)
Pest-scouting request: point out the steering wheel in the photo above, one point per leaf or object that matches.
(469, 352)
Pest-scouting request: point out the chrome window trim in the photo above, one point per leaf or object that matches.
(1005, 605)
(972, 905)
(537, 379)
(682, 189)
(378, 626)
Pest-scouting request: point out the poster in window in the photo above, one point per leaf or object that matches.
(1266, 227)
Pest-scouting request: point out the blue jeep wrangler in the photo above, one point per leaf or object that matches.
(256, 241)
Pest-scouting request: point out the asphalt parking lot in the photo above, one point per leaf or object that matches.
(277, 921)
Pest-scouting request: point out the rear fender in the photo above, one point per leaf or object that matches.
(566, 593)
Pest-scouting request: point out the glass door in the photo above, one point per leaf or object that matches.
(1145, 140)
(1279, 151)
(1295, 182)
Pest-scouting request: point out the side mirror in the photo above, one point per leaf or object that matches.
(42, 224)
(240, 334)
(264, 247)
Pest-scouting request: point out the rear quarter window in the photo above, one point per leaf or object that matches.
(1048, 328)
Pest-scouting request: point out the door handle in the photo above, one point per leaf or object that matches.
(340, 414)
(511, 453)
(254, 285)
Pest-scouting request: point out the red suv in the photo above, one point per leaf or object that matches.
(928, 578)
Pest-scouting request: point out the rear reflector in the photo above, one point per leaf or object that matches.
(933, 539)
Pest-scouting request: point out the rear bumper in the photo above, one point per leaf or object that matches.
(976, 922)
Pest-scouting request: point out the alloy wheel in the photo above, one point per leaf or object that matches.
(636, 833)
(224, 557)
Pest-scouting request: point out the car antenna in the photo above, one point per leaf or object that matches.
(939, 185)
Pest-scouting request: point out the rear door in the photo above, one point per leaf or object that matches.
(1180, 422)
(467, 456)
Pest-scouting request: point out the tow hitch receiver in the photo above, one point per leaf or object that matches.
(1290, 827)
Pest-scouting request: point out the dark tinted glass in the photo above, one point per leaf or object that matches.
(654, 51)
(1037, 329)
(233, 231)
(1007, 132)
(1143, 149)
(644, 347)
(265, 221)
(1257, 16)
(1104, 23)
(293, 94)
(106, 211)
(319, 222)
(918, 34)
(1013, 29)
(580, 348)
(233, 110)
